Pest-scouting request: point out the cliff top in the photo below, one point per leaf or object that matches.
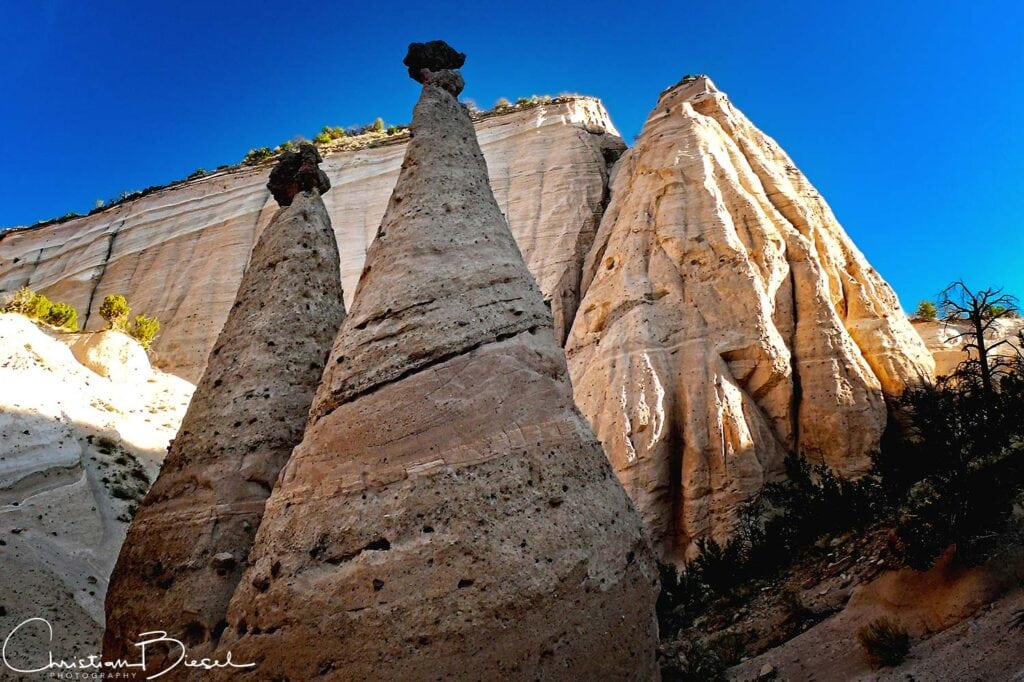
(369, 139)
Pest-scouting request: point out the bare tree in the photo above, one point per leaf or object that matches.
(980, 310)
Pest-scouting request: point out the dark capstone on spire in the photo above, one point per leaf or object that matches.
(297, 171)
(436, 55)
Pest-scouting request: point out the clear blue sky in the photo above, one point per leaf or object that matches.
(908, 116)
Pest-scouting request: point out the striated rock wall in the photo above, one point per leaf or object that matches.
(449, 514)
(179, 253)
(727, 319)
(188, 544)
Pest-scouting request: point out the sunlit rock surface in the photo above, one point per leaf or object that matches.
(728, 319)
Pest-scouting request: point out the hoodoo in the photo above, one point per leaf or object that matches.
(188, 544)
(727, 320)
(449, 513)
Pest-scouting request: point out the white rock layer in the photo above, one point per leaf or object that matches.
(179, 254)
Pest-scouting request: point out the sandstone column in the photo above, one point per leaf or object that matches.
(188, 544)
(449, 514)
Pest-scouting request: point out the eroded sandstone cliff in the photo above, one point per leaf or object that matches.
(188, 544)
(179, 254)
(449, 514)
(728, 319)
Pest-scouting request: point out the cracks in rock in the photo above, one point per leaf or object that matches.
(334, 402)
(112, 237)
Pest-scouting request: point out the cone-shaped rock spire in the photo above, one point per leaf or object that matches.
(449, 514)
(189, 541)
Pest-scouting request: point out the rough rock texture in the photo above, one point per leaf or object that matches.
(946, 344)
(959, 620)
(111, 354)
(179, 253)
(297, 171)
(435, 55)
(77, 453)
(728, 319)
(449, 514)
(187, 546)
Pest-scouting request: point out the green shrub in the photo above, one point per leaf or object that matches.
(256, 155)
(886, 643)
(926, 312)
(322, 138)
(145, 330)
(28, 303)
(115, 311)
(64, 316)
(197, 173)
(378, 125)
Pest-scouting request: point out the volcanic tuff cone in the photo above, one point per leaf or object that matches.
(449, 514)
(188, 544)
(727, 320)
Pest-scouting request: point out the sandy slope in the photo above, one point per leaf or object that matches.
(77, 452)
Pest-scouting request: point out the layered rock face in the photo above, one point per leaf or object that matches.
(179, 253)
(449, 514)
(188, 544)
(727, 320)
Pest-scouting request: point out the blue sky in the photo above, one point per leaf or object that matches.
(908, 116)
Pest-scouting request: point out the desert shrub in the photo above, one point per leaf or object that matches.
(28, 303)
(145, 330)
(885, 642)
(926, 312)
(257, 155)
(502, 103)
(955, 475)
(62, 315)
(322, 138)
(694, 661)
(115, 311)
(378, 125)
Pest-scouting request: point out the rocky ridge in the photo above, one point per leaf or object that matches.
(727, 319)
(179, 253)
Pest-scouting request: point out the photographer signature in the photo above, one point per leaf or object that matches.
(93, 662)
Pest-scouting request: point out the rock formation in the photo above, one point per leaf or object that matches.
(77, 453)
(727, 320)
(946, 341)
(188, 544)
(449, 514)
(179, 253)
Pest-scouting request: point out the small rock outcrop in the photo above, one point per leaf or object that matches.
(188, 544)
(436, 55)
(111, 354)
(449, 513)
(728, 320)
(297, 171)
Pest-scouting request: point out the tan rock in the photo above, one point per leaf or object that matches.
(727, 319)
(179, 253)
(111, 354)
(946, 342)
(187, 546)
(449, 513)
